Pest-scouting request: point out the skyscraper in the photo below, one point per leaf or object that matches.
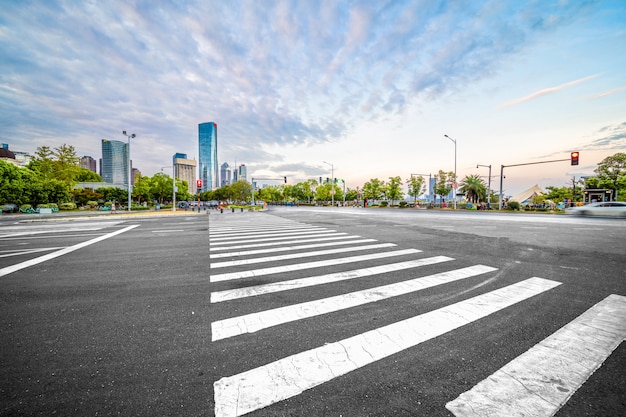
(243, 173)
(225, 174)
(88, 162)
(185, 169)
(114, 165)
(207, 142)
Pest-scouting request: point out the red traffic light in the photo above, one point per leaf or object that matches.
(199, 183)
(574, 158)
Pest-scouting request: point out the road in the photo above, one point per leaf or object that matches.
(314, 311)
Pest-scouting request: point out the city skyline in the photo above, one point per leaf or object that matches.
(371, 87)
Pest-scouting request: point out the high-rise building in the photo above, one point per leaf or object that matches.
(114, 165)
(207, 143)
(185, 169)
(225, 174)
(243, 173)
(89, 163)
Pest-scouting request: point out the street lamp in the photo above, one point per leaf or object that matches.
(454, 189)
(173, 186)
(332, 183)
(488, 186)
(132, 135)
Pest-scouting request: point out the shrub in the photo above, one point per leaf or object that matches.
(25, 207)
(403, 204)
(92, 204)
(67, 206)
(384, 203)
(513, 205)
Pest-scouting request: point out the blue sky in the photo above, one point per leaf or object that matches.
(369, 86)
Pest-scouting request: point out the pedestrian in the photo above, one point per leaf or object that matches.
(113, 207)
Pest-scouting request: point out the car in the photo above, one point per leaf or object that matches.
(9, 208)
(605, 208)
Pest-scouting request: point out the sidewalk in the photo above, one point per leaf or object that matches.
(21, 217)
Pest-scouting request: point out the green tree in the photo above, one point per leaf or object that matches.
(442, 183)
(474, 188)
(373, 189)
(142, 189)
(416, 186)
(394, 191)
(161, 186)
(241, 191)
(87, 175)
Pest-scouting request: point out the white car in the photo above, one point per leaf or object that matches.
(606, 208)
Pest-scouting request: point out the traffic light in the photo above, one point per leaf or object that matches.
(285, 180)
(574, 157)
(327, 180)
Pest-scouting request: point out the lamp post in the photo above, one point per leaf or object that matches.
(488, 186)
(454, 189)
(173, 186)
(132, 135)
(332, 183)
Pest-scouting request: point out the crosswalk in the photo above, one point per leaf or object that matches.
(536, 383)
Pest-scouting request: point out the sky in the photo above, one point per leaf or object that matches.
(365, 89)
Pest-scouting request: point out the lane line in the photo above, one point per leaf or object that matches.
(13, 268)
(254, 322)
(252, 291)
(167, 231)
(264, 259)
(542, 380)
(308, 265)
(263, 245)
(288, 248)
(267, 233)
(18, 252)
(285, 378)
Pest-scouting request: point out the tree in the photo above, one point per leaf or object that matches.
(442, 183)
(394, 192)
(474, 188)
(142, 189)
(373, 189)
(416, 186)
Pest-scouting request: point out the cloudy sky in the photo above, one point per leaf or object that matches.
(370, 87)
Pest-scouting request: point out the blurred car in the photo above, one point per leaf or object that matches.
(606, 208)
(9, 208)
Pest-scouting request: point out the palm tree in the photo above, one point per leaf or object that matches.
(474, 188)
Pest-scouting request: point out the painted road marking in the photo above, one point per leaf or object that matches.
(268, 233)
(308, 265)
(254, 322)
(540, 381)
(262, 245)
(264, 259)
(227, 295)
(18, 252)
(263, 238)
(13, 268)
(289, 248)
(261, 229)
(285, 378)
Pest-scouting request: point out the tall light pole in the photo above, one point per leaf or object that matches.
(173, 185)
(454, 189)
(488, 186)
(132, 135)
(332, 183)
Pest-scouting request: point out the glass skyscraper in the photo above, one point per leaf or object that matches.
(207, 142)
(114, 164)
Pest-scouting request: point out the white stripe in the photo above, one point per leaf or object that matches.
(236, 236)
(19, 252)
(299, 255)
(10, 269)
(262, 245)
(257, 230)
(288, 248)
(254, 322)
(308, 265)
(168, 231)
(284, 237)
(540, 381)
(226, 295)
(290, 376)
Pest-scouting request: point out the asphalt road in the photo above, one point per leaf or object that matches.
(123, 316)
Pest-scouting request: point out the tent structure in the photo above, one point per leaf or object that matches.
(526, 196)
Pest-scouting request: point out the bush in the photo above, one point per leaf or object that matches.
(403, 204)
(25, 207)
(513, 205)
(92, 204)
(384, 203)
(67, 206)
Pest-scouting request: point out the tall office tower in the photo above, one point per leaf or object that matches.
(207, 141)
(243, 173)
(225, 174)
(89, 163)
(114, 165)
(185, 169)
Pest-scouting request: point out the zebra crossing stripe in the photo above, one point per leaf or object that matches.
(236, 293)
(285, 378)
(307, 240)
(289, 248)
(308, 265)
(251, 323)
(540, 381)
(269, 233)
(267, 236)
(278, 240)
(255, 231)
(251, 261)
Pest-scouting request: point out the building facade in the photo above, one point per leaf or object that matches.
(225, 175)
(185, 169)
(89, 163)
(114, 165)
(207, 143)
(243, 173)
